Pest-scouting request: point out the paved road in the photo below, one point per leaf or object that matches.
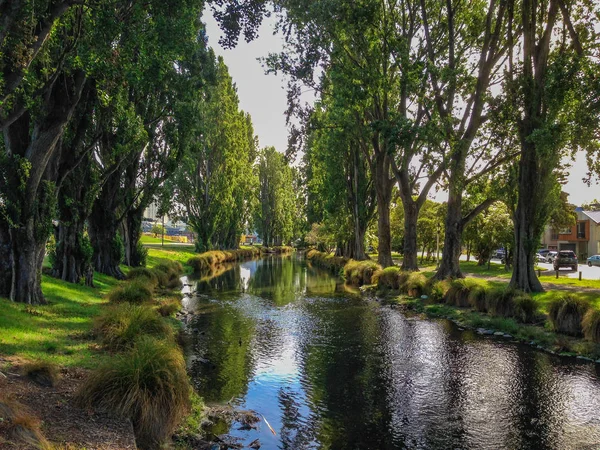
(587, 273)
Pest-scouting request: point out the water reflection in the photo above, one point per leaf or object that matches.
(330, 370)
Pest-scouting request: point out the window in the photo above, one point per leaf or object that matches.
(581, 230)
(554, 235)
(565, 231)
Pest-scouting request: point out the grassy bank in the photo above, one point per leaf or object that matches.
(565, 322)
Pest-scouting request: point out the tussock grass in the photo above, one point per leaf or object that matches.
(143, 275)
(358, 273)
(591, 325)
(135, 292)
(208, 260)
(477, 298)
(278, 249)
(499, 302)
(21, 426)
(526, 308)
(120, 325)
(388, 278)
(148, 384)
(327, 260)
(44, 373)
(415, 284)
(437, 290)
(566, 314)
(169, 306)
(459, 291)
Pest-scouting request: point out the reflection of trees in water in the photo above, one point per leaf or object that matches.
(222, 279)
(276, 279)
(342, 370)
(319, 281)
(225, 343)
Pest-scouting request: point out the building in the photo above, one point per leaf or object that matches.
(583, 237)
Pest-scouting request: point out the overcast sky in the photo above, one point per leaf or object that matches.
(264, 97)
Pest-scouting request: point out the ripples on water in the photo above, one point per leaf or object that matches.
(330, 370)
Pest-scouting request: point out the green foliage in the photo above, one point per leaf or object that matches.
(120, 325)
(327, 261)
(158, 229)
(566, 314)
(118, 248)
(135, 292)
(169, 306)
(388, 278)
(148, 384)
(415, 284)
(460, 291)
(144, 275)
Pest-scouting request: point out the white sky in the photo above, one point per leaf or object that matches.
(264, 97)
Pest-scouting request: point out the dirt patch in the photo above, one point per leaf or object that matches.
(63, 424)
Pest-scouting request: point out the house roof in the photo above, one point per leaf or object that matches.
(594, 215)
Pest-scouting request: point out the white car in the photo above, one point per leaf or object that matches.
(550, 256)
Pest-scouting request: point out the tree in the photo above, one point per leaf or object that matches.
(158, 229)
(274, 214)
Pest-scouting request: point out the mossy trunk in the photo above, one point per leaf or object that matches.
(410, 249)
(450, 262)
(383, 188)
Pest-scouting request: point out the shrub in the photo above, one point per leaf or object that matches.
(566, 314)
(415, 284)
(144, 275)
(358, 273)
(591, 325)
(387, 278)
(169, 306)
(168, 266)
(148, 384)
(526, 308)
(459, 291)
(477, 298)
(119, 326)
(499, 302)
(43, 373)
(327, 260)
(132, 292)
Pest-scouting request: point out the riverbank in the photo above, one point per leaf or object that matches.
(54, 358)
(566, 323)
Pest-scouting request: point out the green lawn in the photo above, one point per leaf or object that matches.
(58, 331)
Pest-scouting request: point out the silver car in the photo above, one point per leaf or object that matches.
(550, 256)
(594, 260)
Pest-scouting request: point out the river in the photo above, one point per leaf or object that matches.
(331, 370)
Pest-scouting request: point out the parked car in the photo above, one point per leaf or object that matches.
(499, 254)
(550, 256)
(543, 252)
(565, 258)
(594, 260)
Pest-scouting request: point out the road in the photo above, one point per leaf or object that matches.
(587, 273)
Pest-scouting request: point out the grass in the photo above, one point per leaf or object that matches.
(358, 273)
(59, 331)
(148, 383)
(20, 425)
(134, 291)
(44, 373)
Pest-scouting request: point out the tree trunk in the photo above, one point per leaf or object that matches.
(383, 187)
(411, 215)
(527, 228)
(132, 232)
(6, 260)
(28, 256)
(359, 241)
(450, 262)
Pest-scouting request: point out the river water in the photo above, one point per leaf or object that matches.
(331, 370)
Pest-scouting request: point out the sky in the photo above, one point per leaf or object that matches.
(264, 97)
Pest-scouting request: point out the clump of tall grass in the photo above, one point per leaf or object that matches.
(477, 298)
(143, 275)
(119, 326)
(358, 273)
(436, 290)
(278, 249)
(566, 314)
(591, 325)
(499, 302)
(415, 284)
(148, 384)
(206, 261)
(526, 308)
(327, 260)
(459, 292)
(169, 306)
(135, 291)
(388, 278)
(44, 373)
(20, 425)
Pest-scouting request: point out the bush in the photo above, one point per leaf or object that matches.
(144, 275)
(526, 308)
(168, 266)
(459, 291)
(169, 306)
(358, 273)
(387, 278)
(499, 302)
(135, 292)
(591, 325)
(327, 261)
(148, 384)
(415, 284)
(119, 326)
(43, 373)
(566, 314)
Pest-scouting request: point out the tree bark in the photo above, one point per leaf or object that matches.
(410, 250)
(383, 188)
(450, 262)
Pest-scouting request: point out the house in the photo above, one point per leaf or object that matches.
(583, 237)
